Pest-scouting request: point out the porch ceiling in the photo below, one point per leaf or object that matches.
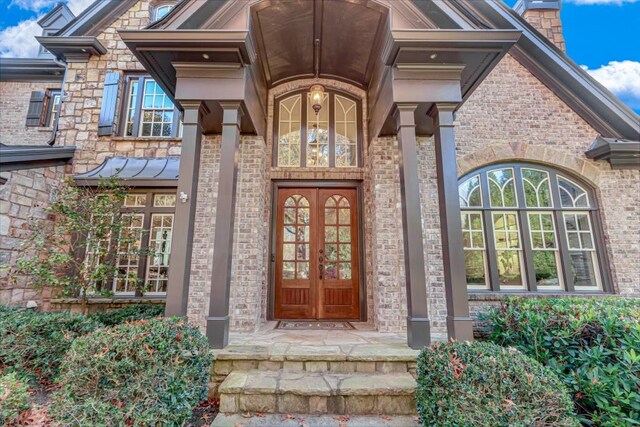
(302, 38)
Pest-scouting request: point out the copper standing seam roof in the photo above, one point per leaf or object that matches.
(137, 171)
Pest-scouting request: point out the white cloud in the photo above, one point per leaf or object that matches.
(621, 78)
(20, 41)
(76, 6)
(590, 2)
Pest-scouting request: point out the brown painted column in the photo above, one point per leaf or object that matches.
(218, 320)
(182, 240)
(418, 324)
(459, 324)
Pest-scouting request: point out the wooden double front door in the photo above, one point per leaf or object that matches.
(316, 270)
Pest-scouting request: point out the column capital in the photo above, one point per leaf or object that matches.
(404, 115)
(231, 113)
(442, 113)
(194, 111)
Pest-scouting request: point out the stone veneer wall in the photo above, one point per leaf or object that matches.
(513, 116)
(23, 199)
(14, 104)
(85, 84)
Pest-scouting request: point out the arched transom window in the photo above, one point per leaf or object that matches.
(528, 227)
(329, 138)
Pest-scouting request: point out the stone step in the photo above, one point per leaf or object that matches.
(296, 420)
(287, 392)
(383, 358)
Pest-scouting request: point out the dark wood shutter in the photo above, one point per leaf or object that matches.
(36, 105)
(109, 100)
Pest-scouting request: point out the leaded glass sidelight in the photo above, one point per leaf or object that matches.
(290, 114)
(337, 238)
(326, 139)
(529, 227)
(296, 239)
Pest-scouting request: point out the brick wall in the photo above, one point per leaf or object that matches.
(14, 104)
(513, 116)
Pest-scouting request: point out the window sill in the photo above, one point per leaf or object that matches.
(123, 299)
(144, 139)
(477, 295)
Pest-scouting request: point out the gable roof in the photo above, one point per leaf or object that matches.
(592, 101)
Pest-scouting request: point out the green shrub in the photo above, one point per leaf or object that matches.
(37, 342)
(150, 372)
(14, 398)
(482, 384)
(129, 314)
(593, 344)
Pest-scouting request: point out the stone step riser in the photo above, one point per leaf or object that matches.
(333, 405)
(225, 367)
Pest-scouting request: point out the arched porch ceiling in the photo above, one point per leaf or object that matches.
(302, 38)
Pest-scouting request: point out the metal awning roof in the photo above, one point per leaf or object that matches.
(18, 157)
(135, 171)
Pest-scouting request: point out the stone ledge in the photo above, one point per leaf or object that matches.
(143, 139)
(115, 300)
(501, 296)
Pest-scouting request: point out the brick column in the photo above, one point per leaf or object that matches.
(418, 324)
(218, 320)
(181, 242)
(459, 324)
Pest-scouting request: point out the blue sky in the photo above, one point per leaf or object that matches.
(602, 35)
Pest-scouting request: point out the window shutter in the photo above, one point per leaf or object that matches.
(36, 104)
(109, 101)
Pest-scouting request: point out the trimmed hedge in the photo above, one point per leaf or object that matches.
(150, 372)
(14, 398)
(36, 343)
(482, 384)
(128, 314)
(592, 344)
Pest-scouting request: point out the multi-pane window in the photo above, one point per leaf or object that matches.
(148, 111)
(528, 227)
(143, 248)
(328, 138)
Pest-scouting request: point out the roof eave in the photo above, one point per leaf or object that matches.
(21, 157)
(620, 154)
(30, 69)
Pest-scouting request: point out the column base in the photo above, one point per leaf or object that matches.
(218, 331)
(418, 332)
(460, 328)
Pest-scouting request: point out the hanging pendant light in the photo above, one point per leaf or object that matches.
(317, 96)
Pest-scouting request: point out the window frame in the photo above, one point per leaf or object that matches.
(148, 210)
(304, 133)
(176, 124)
(603, 279)
(157, 7)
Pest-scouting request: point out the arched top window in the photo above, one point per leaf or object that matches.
(161, 11)
(330, 138)
(528, 227)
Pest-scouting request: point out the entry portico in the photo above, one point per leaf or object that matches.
(224, 73)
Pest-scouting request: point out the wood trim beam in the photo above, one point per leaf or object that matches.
(459, 324)
(218, 320)
(418, 323)
(185, 211)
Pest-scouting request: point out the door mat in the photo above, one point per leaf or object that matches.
(313, 325)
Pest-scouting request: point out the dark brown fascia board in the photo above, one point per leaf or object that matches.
(592, 101)
(496, 40)
(143, 44)
(59, 9)
(96, 18)
(137, 183)
(24, 157)
(175, 40)
(70, 49)
(31, 69)
(621, 154)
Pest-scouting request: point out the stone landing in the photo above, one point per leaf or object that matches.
(340, 380)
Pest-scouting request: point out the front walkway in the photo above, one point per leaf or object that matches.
(364, 333)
